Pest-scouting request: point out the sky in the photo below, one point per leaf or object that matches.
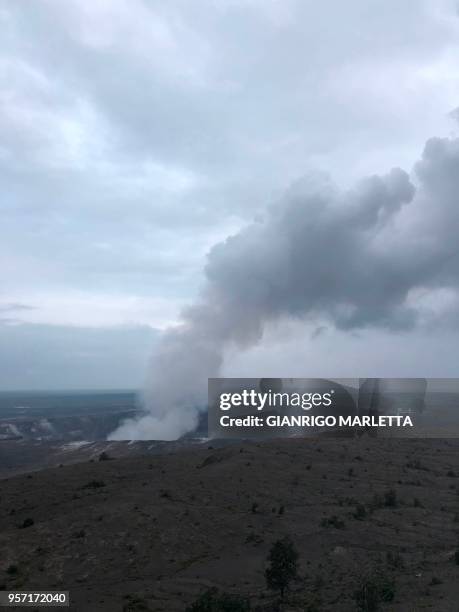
(137, 135)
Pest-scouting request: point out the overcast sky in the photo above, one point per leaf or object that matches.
(135, 135)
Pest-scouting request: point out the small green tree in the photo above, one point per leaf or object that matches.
(283, 565)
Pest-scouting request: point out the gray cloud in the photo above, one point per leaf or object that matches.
(15, 306)
(143, 124)
(353, 259)
(136, 135)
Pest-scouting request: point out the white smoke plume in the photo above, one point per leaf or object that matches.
(353, 258)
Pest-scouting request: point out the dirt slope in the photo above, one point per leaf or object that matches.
(163, 528)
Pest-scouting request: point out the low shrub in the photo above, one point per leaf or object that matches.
(372, 590)
(360, 512)
(333, 521)
(94, 484)
(214, 601)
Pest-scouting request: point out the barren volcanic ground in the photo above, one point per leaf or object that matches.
(153, 532)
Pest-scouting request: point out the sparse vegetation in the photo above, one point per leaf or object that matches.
(135, 604)
(360, 512)
(416, 465)
(210, 460)
(253, 538)
(394, 560)
(214, 601)
(319, 582)
(333, 521)
(104, 456)
(94, 484)
(306, 602)
(387, 500)
(372, 590)
(390, 498)
(367, 595)
(171, 526)
(283, 565)
(386, 588)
